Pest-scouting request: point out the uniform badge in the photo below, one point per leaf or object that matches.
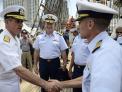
(21, 11)
(98, 45)
(6, 39)
(49, 17)
(59, 33)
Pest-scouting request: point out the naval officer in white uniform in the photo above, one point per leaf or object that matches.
(10, 54)
(103, 72)
(49, 46)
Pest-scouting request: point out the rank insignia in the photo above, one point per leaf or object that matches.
(6, 39)
(98, 45)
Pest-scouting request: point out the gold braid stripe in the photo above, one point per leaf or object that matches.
(83, 15)
(17, 16)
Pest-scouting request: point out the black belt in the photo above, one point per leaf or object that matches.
(49, 60)
(80, 66)
(25, 51)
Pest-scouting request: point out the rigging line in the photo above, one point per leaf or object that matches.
(42, 15)
(38, 13)
(35, 17)
(56, 7)
(53, 7)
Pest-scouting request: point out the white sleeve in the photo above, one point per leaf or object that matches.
(106, 72)
(10, 59)
(63, 45)
(36, 43)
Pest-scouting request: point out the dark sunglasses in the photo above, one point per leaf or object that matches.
(118, 32)
(18, 21)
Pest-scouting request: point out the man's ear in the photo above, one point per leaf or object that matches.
(91, 24)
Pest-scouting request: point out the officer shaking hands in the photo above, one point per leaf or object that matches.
(10, 63)
(103, 71)
(49, 46)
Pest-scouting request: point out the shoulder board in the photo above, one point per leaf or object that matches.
(59, 33)
(1, 30)
(98, 45)
(6, 39)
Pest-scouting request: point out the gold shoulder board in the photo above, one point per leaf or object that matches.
(6, 39)
(98, 45)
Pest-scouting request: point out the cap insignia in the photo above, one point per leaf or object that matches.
(21, 11)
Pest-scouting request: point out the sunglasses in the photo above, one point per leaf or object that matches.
(18, 21)
(118, 32)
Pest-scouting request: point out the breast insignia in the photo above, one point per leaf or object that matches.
(59, 33)
(6, 39)
(98, 45)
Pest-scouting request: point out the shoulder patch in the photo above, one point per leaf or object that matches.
(98, 45)
(59, 33)
(6, 39)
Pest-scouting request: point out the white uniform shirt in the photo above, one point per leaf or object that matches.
(103, 72)
(50, 46)
(79, 48)
(119, 40)
(10, 58)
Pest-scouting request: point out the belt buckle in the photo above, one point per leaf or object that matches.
(78, 66)
(48, 60)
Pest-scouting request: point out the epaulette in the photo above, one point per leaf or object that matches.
(98, 45)
(59, 33)
(1, 30)
(6, 39)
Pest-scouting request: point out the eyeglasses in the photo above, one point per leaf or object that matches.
(119, 32)
(17, 20)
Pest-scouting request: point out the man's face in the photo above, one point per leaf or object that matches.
(85, 27)
(119, 32)
(14, 26)
(49, 26)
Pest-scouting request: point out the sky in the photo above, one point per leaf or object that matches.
(71, 5)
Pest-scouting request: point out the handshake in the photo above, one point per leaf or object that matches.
(56, 86)
(53, 86)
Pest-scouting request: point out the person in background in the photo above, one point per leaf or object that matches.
(49, 46)
(11, 69)
(79, 56)
(119, 35)
(25, 43)
(66, 38)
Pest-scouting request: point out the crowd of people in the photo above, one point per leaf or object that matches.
(96, 58)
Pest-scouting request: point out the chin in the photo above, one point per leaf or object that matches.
(82, 36)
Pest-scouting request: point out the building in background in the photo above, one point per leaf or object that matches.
(31, 7)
